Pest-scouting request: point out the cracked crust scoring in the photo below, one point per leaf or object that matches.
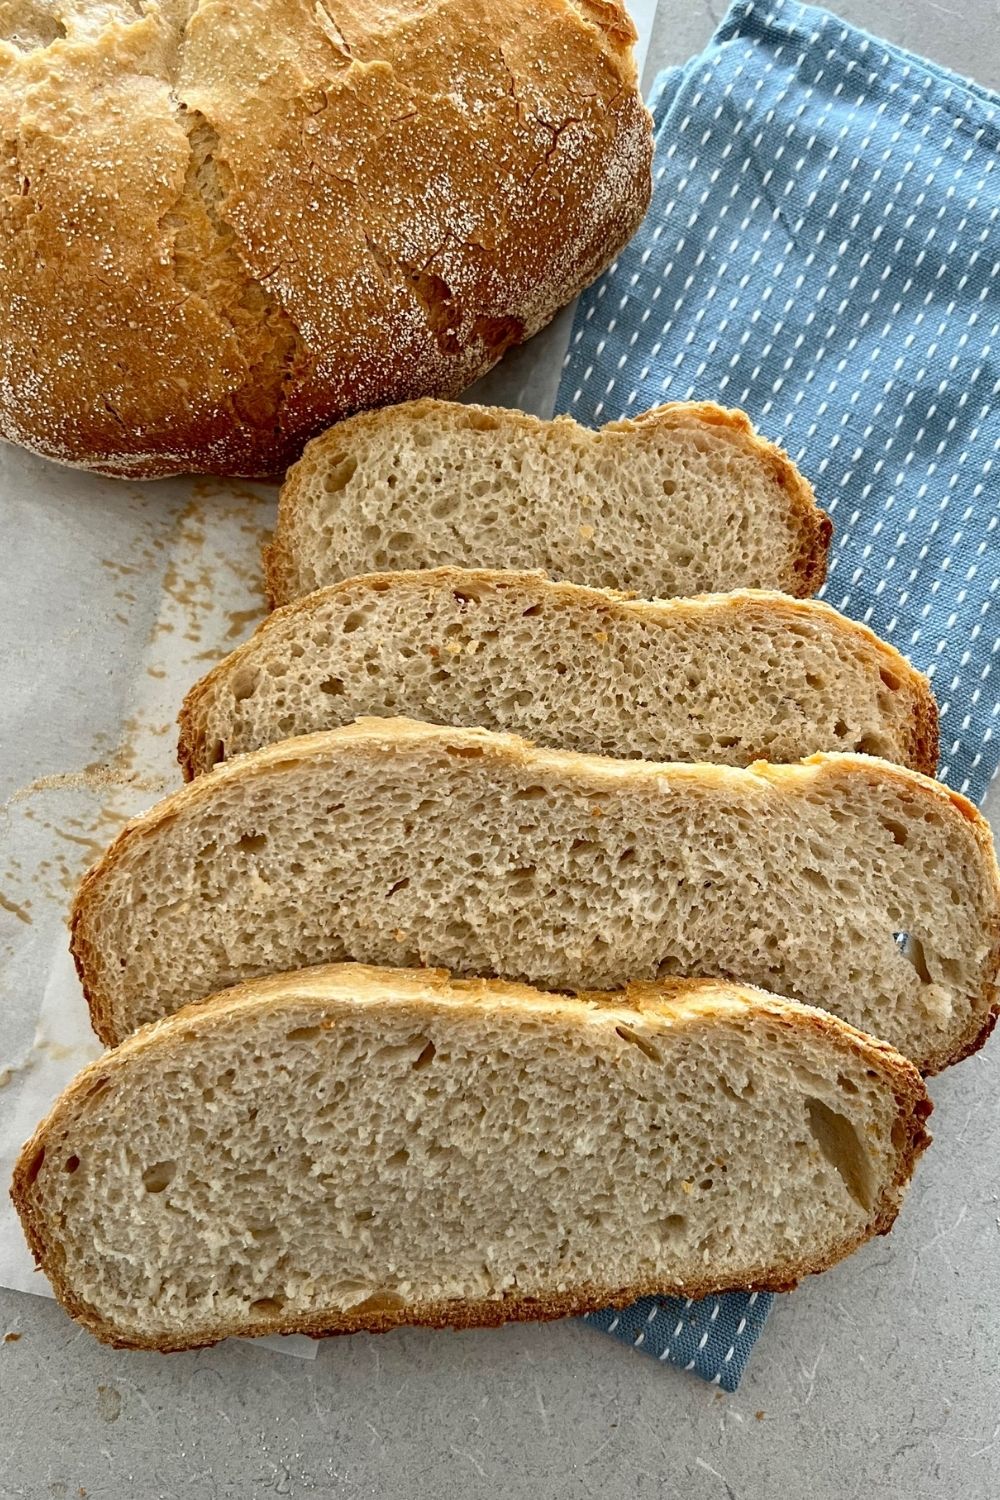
(591, 774)
(682, 1001)
(278, 214)
(918, 731)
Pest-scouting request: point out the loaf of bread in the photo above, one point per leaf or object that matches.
(729, 678)
(841, 881)
(228, 225)
(684, 499)
(346, 1148)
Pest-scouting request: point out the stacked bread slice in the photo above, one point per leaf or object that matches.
(343, 1148)
(475, 777)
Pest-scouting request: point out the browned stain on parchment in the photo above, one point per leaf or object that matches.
(20, 911)
(191, 580)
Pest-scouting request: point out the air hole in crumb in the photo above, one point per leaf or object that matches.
(465, 596)
(912, 949)
(244, 686)
(268, 1306)
(36, 1164)
(705, 1184)
(72, 1162)
(643, 1043)
(480, 421)
(400, 885)
(847, 1084)
(352, 622)
(465, 752)
(364, 1215)
(583, 846)
(339, 474)
(159, 1176)
(251, 843)
(534, 609)
(303, 1033)
(875, 744)
(841, 730)
(332, 686)
(890, 679)
(425, 1058)
(218, 752)
(260, 1232)
(530, 794)
(840, 1145)
(674, 1223)
(398, 1158)
(379, 1302)
(898, 830)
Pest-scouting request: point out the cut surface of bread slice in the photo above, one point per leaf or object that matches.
(347, 1148)
(842, 881)
(727, 678)
(684, 499)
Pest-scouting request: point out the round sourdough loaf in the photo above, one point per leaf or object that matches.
(223, 226)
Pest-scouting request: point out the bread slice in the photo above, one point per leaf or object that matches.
(681, 500)
(842, 881)
(729, 678)
(347, 1148)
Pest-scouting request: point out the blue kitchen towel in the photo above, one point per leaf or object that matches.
(713, 1338)
(823, 250)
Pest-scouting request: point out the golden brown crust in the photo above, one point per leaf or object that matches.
(593, 774)
(273, 215)
(812, 527)
(679, 1001)
(925, 744)
(917, 750)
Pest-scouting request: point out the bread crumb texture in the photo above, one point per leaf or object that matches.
(730, 678)
(222, 227)
(406, 1148)
(841, 881)
(683, 499)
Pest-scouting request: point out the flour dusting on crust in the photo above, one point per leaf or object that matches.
(223, 228)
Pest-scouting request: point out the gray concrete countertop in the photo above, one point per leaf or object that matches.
(881, 1377)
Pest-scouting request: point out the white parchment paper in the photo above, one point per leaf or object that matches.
(116, 597)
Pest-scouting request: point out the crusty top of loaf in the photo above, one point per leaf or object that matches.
(262, 217)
